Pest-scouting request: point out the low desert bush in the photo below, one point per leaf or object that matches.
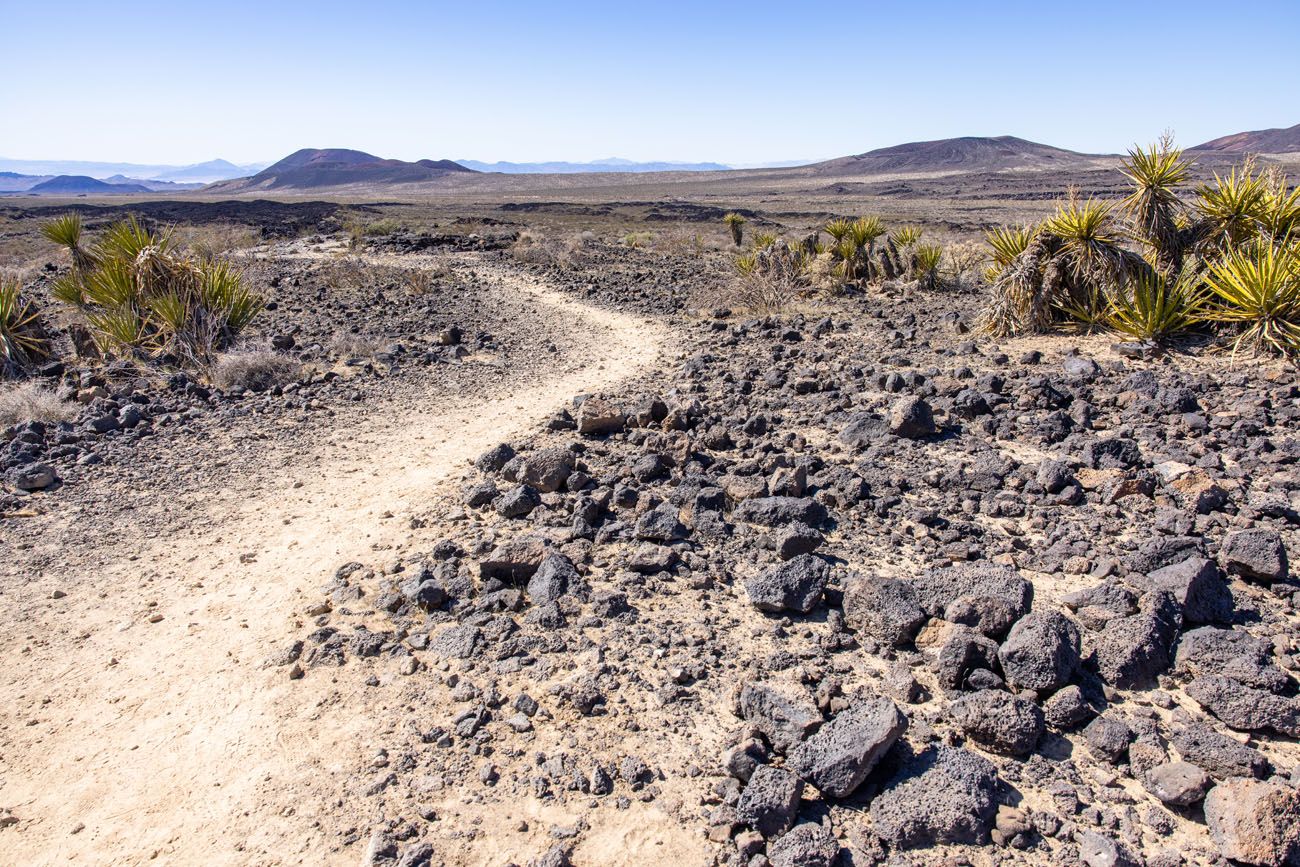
(258, 370)
(32, 401)
(355, 346)
(637, 240)
(212, 240)
(536, 247)
(142, 297)
(359, 229)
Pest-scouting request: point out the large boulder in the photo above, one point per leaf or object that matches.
(785, 716)
(598, 416)
(770, 800)
(546, 469)
(963, 652)
(1041, 652)
(1197, 586)
(806, 845)
(840, 755)
(942, 795)
(911, 417)
(999, 721)
(883, 609)
(1218, 754)
(1255, 822)
(779, 511)
(1131, 652)
(1245, 708)
(796, 585)
(515, 559)
(937, 588)
(553, 579)
(1258, 555)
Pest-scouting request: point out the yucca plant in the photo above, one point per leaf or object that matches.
(764, 240)
(838, 229)
(736, 223)
(66, 231)
(1007, 242)
(1280, 209)
(926, 259)
(1155, 307)
(1154, 208)
(23, 338)
(1232, 209)
(906, 236)
(140, 296)
(1256, 288)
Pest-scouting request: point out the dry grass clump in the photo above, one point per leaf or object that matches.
(536, 247)
(355, 346)
(359, 229)
(256, 370)
(143, 297)
(32, 401)
(211, 240)
(1159, 266)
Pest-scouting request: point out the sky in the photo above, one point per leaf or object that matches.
(711, 80)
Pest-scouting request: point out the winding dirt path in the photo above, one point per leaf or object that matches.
(137, 722)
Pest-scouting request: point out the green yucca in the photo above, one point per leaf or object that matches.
(764, 240)
(1008, 242)
(736, 223)
(746, 263)
(865, 230)
(1155, 307)
(906, 236)
(1280, 209)
(839, 229)
(22, 333)
(1154, 207)
(926, 259)
(66, 231)
(1257, 289)
(1233, 208)
(140, 295)
(1090, 240)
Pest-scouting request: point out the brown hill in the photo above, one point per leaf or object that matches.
(1260, 141)
(313, 168)
(77, 185)
(969, 153)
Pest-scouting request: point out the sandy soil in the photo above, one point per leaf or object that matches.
(140, 724)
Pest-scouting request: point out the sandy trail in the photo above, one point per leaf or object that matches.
(137, 722)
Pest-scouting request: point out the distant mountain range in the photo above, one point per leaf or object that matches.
(952, 154)
(201, 173)
(316, 168)
(1262, 141)
(613, 164)
(322, 169)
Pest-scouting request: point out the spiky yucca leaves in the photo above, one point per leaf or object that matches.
(1153, 208)
(22, 333)
(736, 223)
(1090, 239)
(66, 231)
(846, 252)
(1257, 289)
(1232, 209)
(1007, 242)
(1155, 307)
(1280, 209)
(764, 240)
(926, 259)
(142, 297)
(839, 229)
(906, 236)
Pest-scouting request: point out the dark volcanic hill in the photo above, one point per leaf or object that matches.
(969, 153)
(312, 168)
(80, 185)
(1260, 141)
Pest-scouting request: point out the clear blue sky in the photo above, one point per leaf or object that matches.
(732, 82)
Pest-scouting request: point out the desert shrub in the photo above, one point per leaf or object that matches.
(355, 346)
(926, 259)
(141, 296)
(965, 262)
(637, 240)
(212, 240)
(359, 229)
(1154, 307)
(32, 401)
(736, 224)
(1256, 291)
(1226, 257)
(23, 339)
(536, 247)
(259, 370)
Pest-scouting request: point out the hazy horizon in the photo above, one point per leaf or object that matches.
(732, 83)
